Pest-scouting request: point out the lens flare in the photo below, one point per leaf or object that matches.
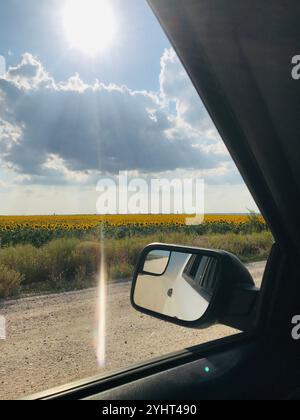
(101, 311)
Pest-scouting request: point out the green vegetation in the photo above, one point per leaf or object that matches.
(251, 247)
(38, 235)
(10, 281)
(72, 262)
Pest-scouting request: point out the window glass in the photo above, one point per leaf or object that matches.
(105, 147)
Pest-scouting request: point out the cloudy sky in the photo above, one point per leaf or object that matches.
(74, 109)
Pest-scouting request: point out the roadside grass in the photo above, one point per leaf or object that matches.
(10, 281)
(251, 247)
(73, 264)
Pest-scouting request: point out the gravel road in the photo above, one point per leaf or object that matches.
(51, 340)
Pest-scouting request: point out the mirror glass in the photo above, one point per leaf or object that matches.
(156, 262)
(177, 284)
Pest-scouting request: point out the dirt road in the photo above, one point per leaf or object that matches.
(52, 340)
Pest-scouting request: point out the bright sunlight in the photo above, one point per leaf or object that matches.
(89, 24)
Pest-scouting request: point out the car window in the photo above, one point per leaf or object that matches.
(200, 272)
(105, 147)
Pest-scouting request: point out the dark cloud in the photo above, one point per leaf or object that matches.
(66, 128)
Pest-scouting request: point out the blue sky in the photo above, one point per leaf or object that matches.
(133, 60)
(68, 118)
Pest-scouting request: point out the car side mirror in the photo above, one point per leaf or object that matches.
(193, 287)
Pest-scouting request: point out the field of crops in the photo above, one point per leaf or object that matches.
(39, 230)
(85, 222)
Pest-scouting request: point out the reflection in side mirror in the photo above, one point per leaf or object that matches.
(194, 287)
(179, 285)
(156, 262)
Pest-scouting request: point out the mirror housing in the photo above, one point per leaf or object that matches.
(162, 287)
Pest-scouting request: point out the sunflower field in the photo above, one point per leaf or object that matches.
(38, 230)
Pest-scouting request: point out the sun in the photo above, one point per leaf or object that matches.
(90, 25)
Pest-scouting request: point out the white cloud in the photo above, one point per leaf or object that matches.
(57, 164)
(2, 66)
(176, 88)
(29, 74)
(3, 184)
(9, 134)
